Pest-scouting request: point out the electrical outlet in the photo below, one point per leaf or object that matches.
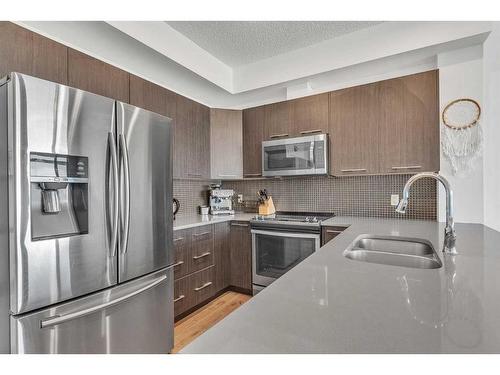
(394, 199)
(240, 198)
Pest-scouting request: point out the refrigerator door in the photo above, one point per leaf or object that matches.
(145, 159)
(61, 229)
(134, 317)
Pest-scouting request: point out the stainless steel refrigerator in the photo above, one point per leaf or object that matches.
(85, 222)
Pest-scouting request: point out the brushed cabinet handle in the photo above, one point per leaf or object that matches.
(202, 255)
(253, 174)
(228, 175)
(178, 239)
(239, 225)
(311, 131)
(354, 170)
(197, 175)
(408, 167)
(178, 263)
(203, 286)
(279, 135)
(182, 296)
(201, 234)
(333, 231)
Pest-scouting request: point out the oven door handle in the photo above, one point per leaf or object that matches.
(286, 234)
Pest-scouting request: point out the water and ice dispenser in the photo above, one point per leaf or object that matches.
(59, 195)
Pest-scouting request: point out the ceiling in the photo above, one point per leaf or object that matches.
(237, 43)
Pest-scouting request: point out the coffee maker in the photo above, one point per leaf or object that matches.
(221, 201)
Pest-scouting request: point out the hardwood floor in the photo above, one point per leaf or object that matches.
(193, 325)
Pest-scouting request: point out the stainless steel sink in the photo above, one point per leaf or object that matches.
(395, 251)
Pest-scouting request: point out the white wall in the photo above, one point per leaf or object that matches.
(491, 122)
(461, 76)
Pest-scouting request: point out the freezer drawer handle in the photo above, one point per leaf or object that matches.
(182, 296)
(203, 286)
(59, 319)
(202, 255)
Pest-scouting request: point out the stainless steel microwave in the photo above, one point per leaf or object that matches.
(295, 156)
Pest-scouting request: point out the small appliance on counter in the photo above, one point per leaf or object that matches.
(221, 200)
(266, 205)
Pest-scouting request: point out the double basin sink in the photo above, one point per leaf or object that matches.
(393, 250)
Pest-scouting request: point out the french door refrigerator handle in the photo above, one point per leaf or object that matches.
(59, 319)
(126, 179)
(115, 223)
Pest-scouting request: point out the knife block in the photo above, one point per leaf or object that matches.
(267, 207)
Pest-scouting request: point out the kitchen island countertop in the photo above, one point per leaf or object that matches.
(331, 304)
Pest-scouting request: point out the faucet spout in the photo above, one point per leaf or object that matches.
(449, 231)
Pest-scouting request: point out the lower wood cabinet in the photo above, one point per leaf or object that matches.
(330, 232)
(241, 256)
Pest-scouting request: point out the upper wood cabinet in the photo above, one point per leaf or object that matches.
(226, 144)
(354, 131)
(89, 74)
(277, 120)
(385, 127)
(26, 52)
(409, 123)
(253, 135)
(192, 140)
(152, 97)
(309, 115)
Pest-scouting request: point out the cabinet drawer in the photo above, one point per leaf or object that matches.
(193, 289)
(181, 257)
(202, 285)
(201, 252)
(329, 233)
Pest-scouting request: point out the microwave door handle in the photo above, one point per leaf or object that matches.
(126, 200)
(114, 164)
(311, 154)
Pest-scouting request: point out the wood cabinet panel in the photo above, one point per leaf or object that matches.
(328, 233)
(277, 120)
(409, 123)
(253, 135)
(309, 115)
(222, 251)
(241, 255)
(90, 74)
(226, 144)
(193, 290)
(354, 131)
(26, 52)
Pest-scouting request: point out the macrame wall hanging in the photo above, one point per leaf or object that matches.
(461, 135)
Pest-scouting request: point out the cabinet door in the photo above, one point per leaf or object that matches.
(241, 255)
(152, 97)
(26, 52)
(89, 74)
(353, 129)
(201, 254)
(192, 138)
(226, 144)
(309, 115)
(222, 251)
(277, 120)
(409, 123)
(253, 135)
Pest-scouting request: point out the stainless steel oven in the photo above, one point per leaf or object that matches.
(276, 251)
(295, 156)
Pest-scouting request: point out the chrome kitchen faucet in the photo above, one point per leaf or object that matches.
(449, 231)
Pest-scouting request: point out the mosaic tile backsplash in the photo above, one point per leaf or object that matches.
(367, 196)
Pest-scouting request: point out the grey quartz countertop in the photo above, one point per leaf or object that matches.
(199, 220)
(331, 304)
